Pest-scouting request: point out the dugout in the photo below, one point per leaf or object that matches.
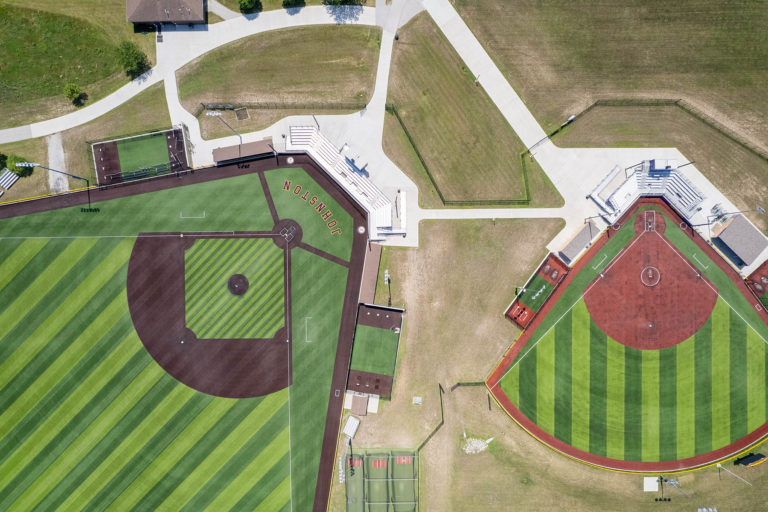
(243, 152)
(753, 459)
(374, 350)
(744, 241)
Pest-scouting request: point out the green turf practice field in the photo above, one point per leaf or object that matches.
(600, 396)
(374, 350)
(297, 197)
(140, 152)
(89, 421)
(536, 292)
(212, 311)
(382, 481)
(377, 483)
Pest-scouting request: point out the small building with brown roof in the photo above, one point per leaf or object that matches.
(178, 12)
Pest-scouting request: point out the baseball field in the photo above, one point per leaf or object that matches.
(651, 357)
(88, 418)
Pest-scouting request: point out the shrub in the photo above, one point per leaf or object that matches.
(3, 160)
(133, 60)
(21, 171)
(250, 6)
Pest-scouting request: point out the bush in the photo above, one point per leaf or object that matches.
(3, 161)
(247, 6)
(133, 60)
(72, 91)
(21, 171)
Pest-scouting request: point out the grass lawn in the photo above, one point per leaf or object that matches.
(301, 204)
(375, 350)
(139, 152)
(337, 67)
(144, 112)
(36, 150)
(69, 40)
(561, 57)
(602, 397)
(469, 147)
(89, 421)
(737, 172)
(212, 311)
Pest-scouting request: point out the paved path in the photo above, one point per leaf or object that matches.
(222, 11)
(57, 159)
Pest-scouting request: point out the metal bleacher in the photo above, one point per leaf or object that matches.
(650, 178)
(7, 179)
(342, 170)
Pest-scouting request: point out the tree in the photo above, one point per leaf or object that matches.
(250, 6)
(133, 60)
(3, 161)
(21, 171)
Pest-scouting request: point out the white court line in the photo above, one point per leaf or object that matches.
(306, 329)
(620, 255)
(705, 267)
(594, 267)
(182, 216)
(714, 290)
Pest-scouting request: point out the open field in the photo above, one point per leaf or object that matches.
(96, 26)
(469, 147)
(325, 65)
(144, 112)
(91, 421)
(562, 57)
(737, 172)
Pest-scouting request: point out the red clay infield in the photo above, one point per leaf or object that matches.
(650, 297)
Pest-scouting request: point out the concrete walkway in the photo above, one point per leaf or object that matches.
(222, 11)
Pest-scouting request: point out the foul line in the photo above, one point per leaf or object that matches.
(714, 290)
(620, 255)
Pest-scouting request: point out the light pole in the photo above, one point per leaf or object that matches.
(87, 183)
(214, 113)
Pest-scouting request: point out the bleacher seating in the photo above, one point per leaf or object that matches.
(7, 179)
(647, 180)
(342, 170)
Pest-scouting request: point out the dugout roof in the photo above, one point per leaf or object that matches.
(250, 149)
(744, 239)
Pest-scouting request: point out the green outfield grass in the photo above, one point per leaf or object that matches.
(536, 292)
(374, 350)
(88, 420)
(212, 311)
(602, 397)
(139, 152)
(302, 205)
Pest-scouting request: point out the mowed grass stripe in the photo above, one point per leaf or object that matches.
(651, 413)
(30, 467)
(263, 422)
(25, 276)
(167, 474)
(756, 385)
(222, 256)
(99, 467)
(721, 355)
(598, 390)
(510, 385)
(685, 373)
(14, 262)
(78, 298)
(279, 492)
(271, 458)
(545, 384)
(39, 287)
(108, 482)
(614, 407)
(580, 375)
(563, 388)
(633, 404)
(25, 416)
(738, 377)
(529, 381)
(30, 436)
(70, 344)
(668, 403)
(102, 436)
(703, 388)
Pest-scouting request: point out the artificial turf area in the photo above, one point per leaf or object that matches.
(139, 152)
(212, 311)
(374, 350)
(607, 399)
(536, 292)
(89, 421)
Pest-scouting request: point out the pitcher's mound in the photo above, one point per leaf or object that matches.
(238, 284)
